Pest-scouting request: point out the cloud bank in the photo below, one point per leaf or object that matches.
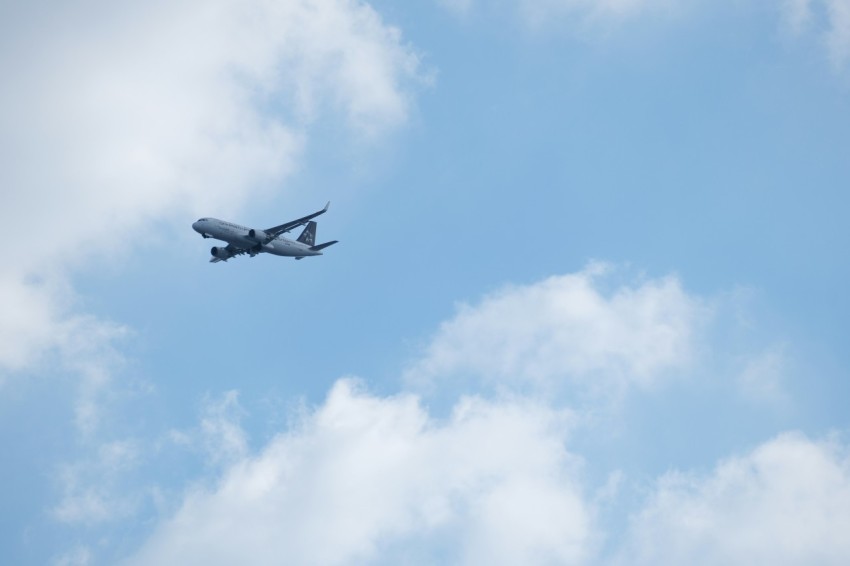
(365, 478)
(377, 480)
(374, 479)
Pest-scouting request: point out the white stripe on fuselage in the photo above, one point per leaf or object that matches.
(238, 236)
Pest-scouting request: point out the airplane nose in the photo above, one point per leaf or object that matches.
(196, 227)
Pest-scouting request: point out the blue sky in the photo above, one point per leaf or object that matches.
(588, 307)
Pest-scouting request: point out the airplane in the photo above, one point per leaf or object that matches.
(241, 240)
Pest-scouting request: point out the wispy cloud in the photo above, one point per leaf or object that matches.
(93, 489)
(79, 556)
(459, 7)
(219, 436)
(579, 16)
(828, 20)
(763, 376)
(589, 14)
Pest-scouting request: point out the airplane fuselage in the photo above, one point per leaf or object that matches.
(239, 236)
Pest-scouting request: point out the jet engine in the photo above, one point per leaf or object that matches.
(220, 253)
(257, 235)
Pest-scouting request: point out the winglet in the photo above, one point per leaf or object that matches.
(326, 207)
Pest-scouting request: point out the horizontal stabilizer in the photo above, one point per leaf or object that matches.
(323, 246)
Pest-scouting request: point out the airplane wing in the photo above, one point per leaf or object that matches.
(273, 233)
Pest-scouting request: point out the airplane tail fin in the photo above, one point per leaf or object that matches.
(308, 236)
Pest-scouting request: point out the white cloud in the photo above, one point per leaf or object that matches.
(787, 502)
(567, 329)
(114, 114)
(366, 479)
